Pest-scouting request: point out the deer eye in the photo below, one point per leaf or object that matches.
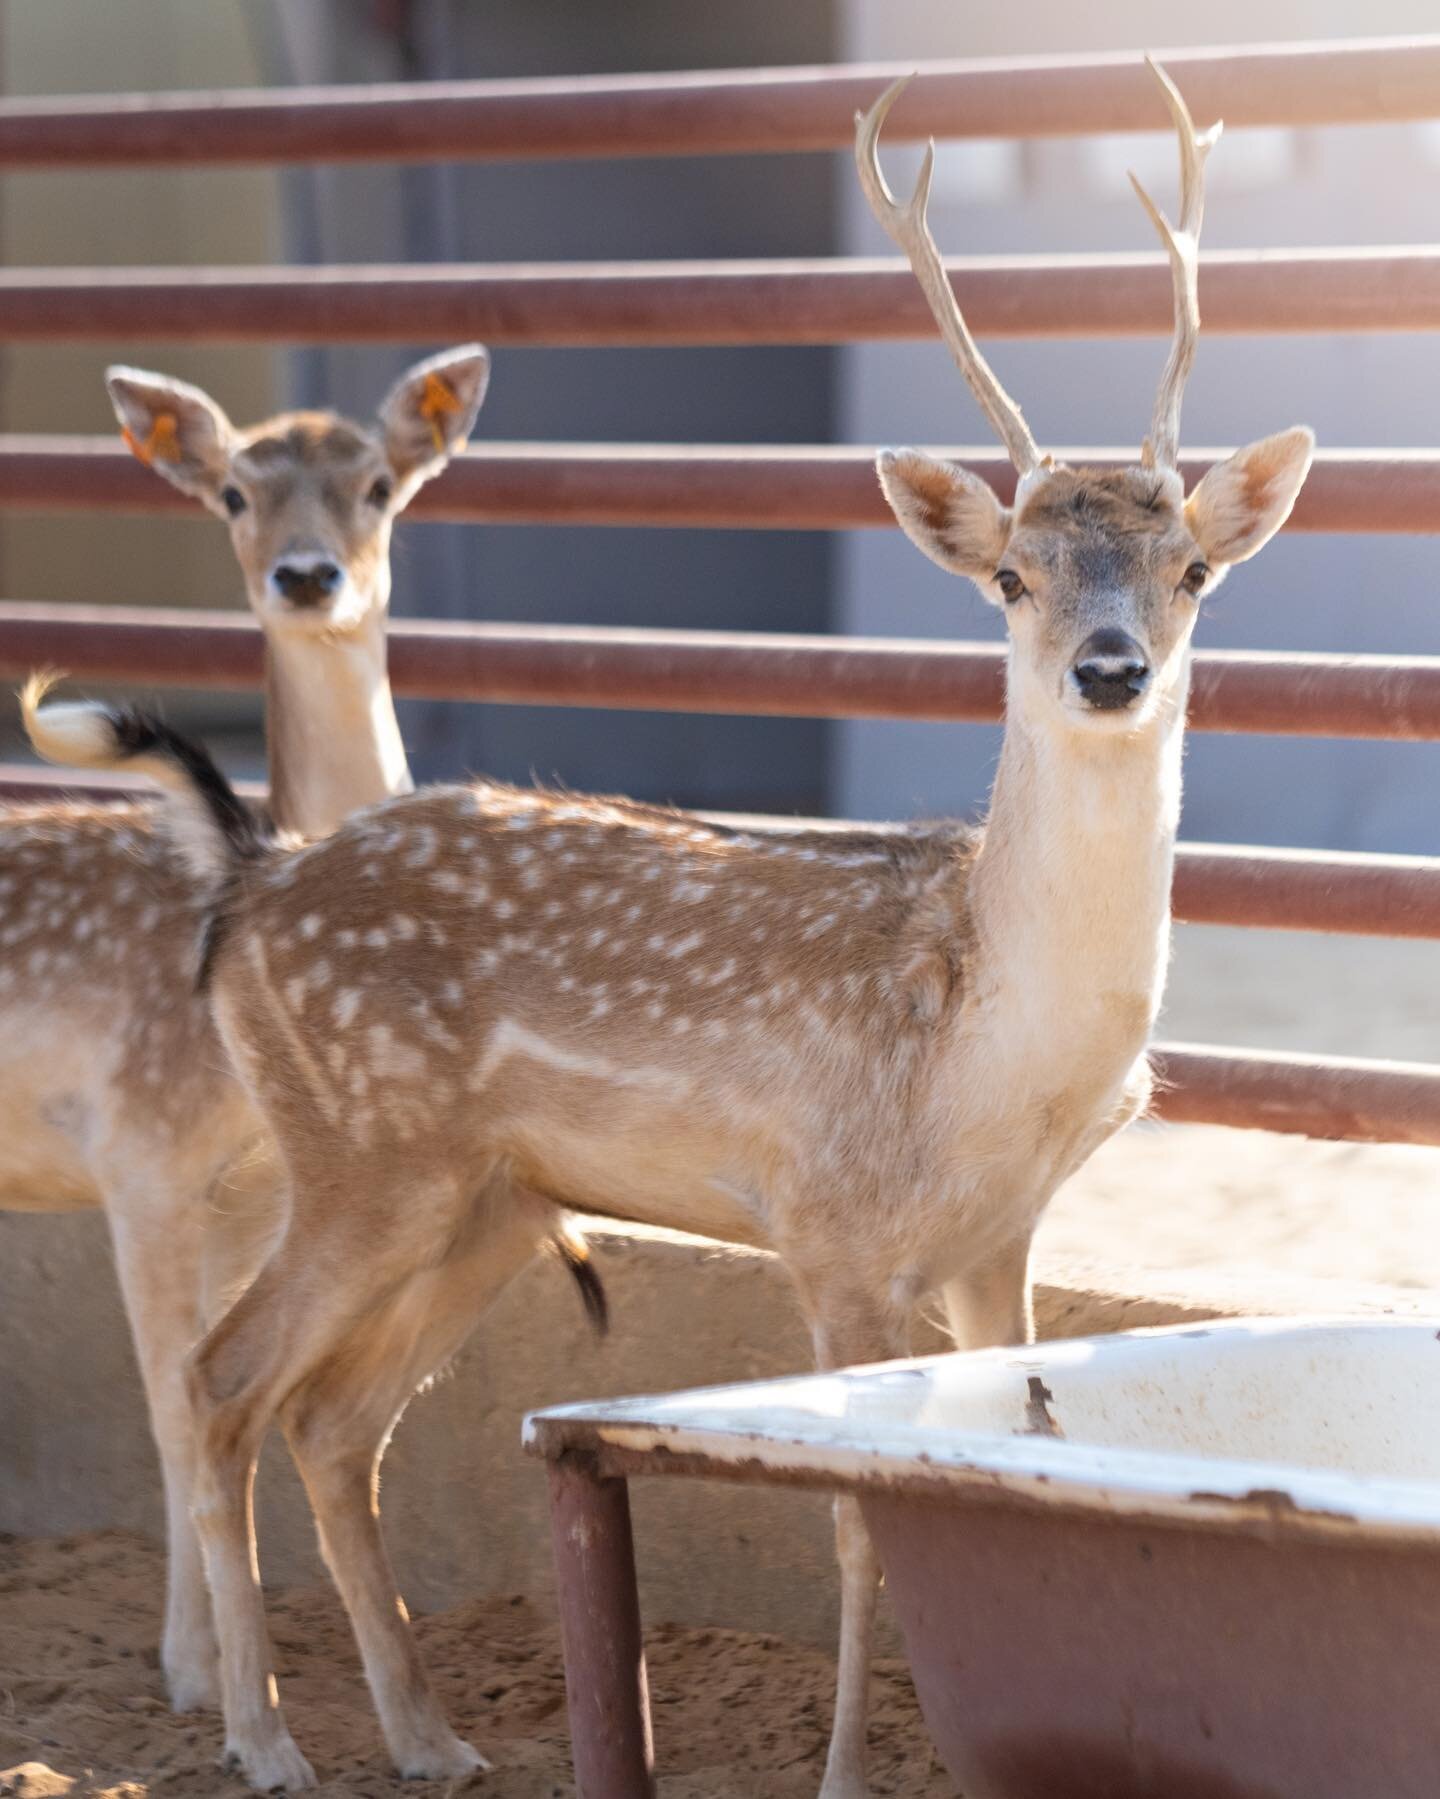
(1011, 586)
(1195, 577)
(381, 491)
(232, 500)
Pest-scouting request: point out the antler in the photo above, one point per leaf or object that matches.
(906, 224)
(1162, 447)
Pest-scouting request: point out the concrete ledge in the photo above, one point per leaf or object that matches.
(464, 1510)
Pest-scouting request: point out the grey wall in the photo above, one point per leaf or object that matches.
(604, 211)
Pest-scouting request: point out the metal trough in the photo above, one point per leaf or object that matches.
(1200, 1563)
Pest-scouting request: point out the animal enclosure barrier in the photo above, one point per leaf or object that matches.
(794, 487)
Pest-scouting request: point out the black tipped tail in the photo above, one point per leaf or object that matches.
(140, 735)
(576, 1257)
(219, 832)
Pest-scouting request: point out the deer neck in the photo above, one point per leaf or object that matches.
(331, 733)
(1070, 893)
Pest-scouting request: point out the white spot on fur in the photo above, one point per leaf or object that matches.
(390, 1058)
(511, 1039)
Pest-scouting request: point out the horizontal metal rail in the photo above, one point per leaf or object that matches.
(1314, 1096)
(23, 783)
(1220, 884)
(755, 673)
(832, 301)
(1305, 890)
(707, 486)
(728, 110)
(1332, 1097)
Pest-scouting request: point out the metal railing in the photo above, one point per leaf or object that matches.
(795, 487)
(731, 111)
(713, 486)
(836, 300)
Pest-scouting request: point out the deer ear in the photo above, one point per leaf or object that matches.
(950, 514)
(1241, 503)
(431, 410)
(173, 428)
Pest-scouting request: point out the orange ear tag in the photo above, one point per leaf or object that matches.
(437, 401)
(163, 443)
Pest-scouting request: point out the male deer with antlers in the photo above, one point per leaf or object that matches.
(876, 1055)
(112, 1091)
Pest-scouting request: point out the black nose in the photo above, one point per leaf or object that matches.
(1111, 670)
(306, 584)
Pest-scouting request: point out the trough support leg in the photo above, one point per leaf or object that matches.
(605, 1685)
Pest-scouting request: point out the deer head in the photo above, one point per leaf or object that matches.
(1100, 573)
(309, 498)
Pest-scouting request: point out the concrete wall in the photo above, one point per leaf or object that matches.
(1345, 186)
(464, 1509)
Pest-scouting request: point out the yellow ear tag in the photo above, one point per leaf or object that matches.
(163, 443)
(437, 401)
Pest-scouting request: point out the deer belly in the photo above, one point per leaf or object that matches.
(643, 1146)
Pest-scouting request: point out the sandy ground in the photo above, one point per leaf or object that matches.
(82, 1706)
(81, 1701)
(1197, 1199)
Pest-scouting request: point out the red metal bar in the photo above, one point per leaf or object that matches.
(840, 300)
(605, 1683)
(719, 486)
(1223, 884)
(1312, 1096)
(1304, 890)
(754, 673)
(729, 110)
(23, 783)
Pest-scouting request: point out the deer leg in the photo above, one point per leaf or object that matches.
(338, 1424)
(848, 1330)
(989, 1306)
(156, 1238)
(330, 1268)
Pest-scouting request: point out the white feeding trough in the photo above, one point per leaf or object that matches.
(1200, 1563)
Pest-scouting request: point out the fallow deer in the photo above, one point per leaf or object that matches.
(112, 1090)
(875, 1055)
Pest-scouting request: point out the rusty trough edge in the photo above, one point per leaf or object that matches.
(755, 673)
(751, 487)
(811, 301)
(727, 110)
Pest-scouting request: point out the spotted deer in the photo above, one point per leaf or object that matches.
(112, 1090)
(876, 1055)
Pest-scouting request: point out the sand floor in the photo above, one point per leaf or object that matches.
(82, 1704)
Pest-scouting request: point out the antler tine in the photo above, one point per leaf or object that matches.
(907, 225)
(1182, 241)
